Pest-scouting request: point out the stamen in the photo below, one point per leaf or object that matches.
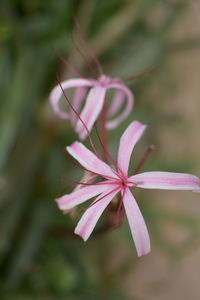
(81, 167)
(85, 183)
(90, 67)
(120, 209)
(144, 158)
(117, 188)
(79, 117)
(108, 155)
(103, 127)
(93, 55)
(136, 76)
(67, 63)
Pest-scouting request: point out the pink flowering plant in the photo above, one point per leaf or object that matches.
(109, 180)
(116, 180)
(92, 108)
(90, 96)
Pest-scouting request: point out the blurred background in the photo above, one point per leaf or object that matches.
(40, 256)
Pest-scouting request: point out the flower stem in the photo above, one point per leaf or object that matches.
(104, 131)
(144, 158)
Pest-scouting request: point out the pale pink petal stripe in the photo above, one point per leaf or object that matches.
(91, 216)
(116, 103)
(57, 93)
(90, 161)
(166, 181)
(77, 101)
(70, 200)
(137, 224)
(129, 105)
(127, 142)
(91, 110)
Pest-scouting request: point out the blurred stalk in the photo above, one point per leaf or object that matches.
(185, 44)
(17, 190)
(148, 54)
(110, 32)
(26, 88)
(115, 27)
(31, 241)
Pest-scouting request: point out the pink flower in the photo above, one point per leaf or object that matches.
(118, 181)
(92, 101)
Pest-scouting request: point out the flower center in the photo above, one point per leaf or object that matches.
(105, 80)
(124, 183)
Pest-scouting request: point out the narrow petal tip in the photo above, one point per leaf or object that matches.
(143, 253)
(80, 235)
(57, 200)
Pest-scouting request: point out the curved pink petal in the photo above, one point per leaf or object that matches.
(75, 198)
(90, 161)
(91, 110)
(137, 224)
(127, 142)
(116, 103)
(165, 181)
(91, 216)
(57, 93)
(129, 105)
(77, 101)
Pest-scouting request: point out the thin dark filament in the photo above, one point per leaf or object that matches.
(77, 164)
(68, 64)
(93, 55)
(89, 135)
(85, 169)
(136, 76)
(103, 127)
(86, 183)
(77, 114)
(90, 67)
(76, 182)
(117, 188)
(108, 154)
(144, 158)
(120, 207)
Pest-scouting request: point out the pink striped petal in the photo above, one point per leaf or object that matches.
(91, 216)
(77, 101)
(57, 93)
(137, 224)
(90, 161)
(75, 198)
(165, 181)
(91, 110)
(127, 142)
(129, 105)
(116, 103)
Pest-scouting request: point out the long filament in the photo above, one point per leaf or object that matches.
(67, 63)
(108, 154)
(117, 188)
(77, 114)
(93, 55)
(90, 67)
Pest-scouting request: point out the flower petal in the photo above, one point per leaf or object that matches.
(137, 224)
(78, 98)
(91, 110)
(116, 103)
(129, 105)
(75, 198)
(166, 181)
(90, 161)
(91, 216)
(127, 142)
(57, 93)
